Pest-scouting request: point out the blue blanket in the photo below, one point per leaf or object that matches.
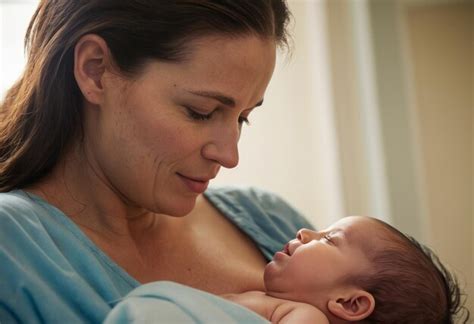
(169, 302)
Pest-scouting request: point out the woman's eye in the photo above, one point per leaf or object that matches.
(197, 116)
(192, 112)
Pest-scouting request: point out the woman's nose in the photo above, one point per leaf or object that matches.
(306, 235)
(223, 149)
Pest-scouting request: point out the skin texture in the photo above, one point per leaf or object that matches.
(121, 183)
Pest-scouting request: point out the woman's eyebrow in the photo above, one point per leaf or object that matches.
(222, 98)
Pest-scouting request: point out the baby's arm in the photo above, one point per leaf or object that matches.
(279, 310)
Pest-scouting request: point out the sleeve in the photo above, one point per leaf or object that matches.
(36, 285)
(169, 302)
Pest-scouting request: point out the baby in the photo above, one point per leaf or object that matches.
(358, 270)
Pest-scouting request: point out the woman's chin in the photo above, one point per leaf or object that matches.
(178, 208)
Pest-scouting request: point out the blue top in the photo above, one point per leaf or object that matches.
(50, 271)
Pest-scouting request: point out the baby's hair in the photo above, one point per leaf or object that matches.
(455, 306)
(410, 284)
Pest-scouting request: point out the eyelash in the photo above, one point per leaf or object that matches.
(327, 238)
(203, 117)
(198, 116)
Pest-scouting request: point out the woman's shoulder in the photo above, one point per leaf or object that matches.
(17, 205)
(23, 221)
(26, 220)
(254, 202)
(263, 215)
(12, 197)
(43, 257)
(247, 196)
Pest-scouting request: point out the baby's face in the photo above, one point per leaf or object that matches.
(314, 265)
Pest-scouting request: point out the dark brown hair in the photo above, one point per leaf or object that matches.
(410, 284)
(41, 112)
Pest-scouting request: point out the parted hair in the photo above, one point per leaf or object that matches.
(42, 112)
(410, 285)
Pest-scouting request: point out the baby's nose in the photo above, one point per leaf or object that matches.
(306, 235)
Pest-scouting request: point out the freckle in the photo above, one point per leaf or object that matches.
(174, 85)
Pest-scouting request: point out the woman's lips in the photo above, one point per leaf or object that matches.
(196, 186)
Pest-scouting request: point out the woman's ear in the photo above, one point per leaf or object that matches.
(355, 305)
(91, 55)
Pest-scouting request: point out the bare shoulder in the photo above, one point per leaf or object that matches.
(288, 311)
(279, 310)
(256, 301)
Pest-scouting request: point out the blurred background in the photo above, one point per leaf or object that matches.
(370, 114)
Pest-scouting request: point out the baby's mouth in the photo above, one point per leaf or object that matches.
(286, 249)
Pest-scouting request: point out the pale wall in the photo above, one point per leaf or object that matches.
(291, 147)
(441, 39)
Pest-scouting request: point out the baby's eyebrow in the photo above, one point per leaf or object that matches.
(338, 235)
(347, 235)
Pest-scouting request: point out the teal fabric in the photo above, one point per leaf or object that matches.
(169, 302)
(263, 216)
(50, 272)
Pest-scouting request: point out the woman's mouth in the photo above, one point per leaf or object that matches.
(195, 185)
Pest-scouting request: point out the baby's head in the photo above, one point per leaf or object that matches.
(363, 270)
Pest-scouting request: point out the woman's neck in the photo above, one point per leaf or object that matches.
(78, 188)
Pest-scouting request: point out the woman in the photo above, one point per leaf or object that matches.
(125, 111)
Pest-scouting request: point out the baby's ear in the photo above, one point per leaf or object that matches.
(352, 305)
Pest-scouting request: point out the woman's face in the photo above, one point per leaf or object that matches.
(159, 139)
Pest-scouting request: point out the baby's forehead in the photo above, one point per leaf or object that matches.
(354, 225)
(366, 232)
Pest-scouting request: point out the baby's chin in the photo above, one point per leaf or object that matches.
(269, 274)
(275, 285)
(294, 296)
